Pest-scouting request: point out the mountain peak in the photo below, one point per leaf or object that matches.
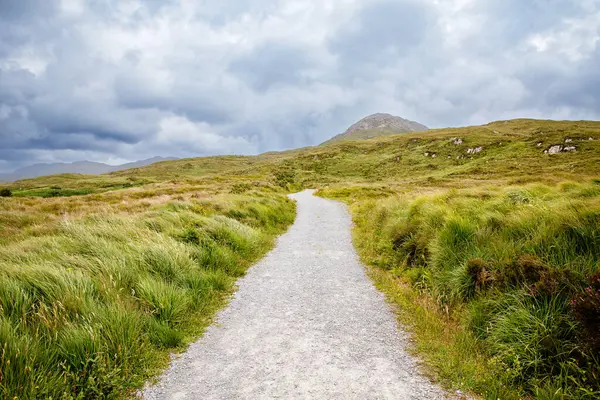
(379, 124)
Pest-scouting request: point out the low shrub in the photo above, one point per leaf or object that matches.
(240, 188)
(585, 306)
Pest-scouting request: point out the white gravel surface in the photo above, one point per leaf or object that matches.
(306, 323)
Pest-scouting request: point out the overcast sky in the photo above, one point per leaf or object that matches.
(122, 80)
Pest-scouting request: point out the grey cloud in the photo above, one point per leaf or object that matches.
(507, 23)
(272, 64)
(177, 78)
(17, 86)
(183, 98)
(11, 10)
(578, 88)
(382, 31)
(221, 13)
(73, 141)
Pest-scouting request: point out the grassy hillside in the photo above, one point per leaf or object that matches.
(487, 243)
(362, 135)
(511, 152)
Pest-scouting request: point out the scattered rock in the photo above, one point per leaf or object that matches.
(560, 149)
(591, 139)
(449, 157)
(397, 158)
(457, 141)
(475, 150)
(426, 154)
(568, 140)
(433, 155)
(555, 149)
(496, 132)
(315, 157)
(539, 144)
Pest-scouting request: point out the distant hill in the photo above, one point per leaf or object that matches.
(378, 125)
(79, 167)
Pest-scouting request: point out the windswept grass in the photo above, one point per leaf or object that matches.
(91, 306)
(500, 285)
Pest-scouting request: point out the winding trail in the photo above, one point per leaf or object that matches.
(306, 323)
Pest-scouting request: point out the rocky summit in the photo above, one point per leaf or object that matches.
(378, 125)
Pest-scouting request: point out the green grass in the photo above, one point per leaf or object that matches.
(91, 307)
(499, 284)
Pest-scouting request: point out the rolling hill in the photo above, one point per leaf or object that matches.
(79, 167)
(378, 125)
(500, 152)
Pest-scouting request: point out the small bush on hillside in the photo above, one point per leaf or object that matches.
(411, 246)
(519, 197)
(285, 177)
(240, 188)
(5, 192)
(586, 308)
(526, 269)
(480, 273)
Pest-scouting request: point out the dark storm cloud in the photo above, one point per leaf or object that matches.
(73, 141)
(183, 98)
(125, 80)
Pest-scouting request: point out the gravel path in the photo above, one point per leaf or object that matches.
(306, 323)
